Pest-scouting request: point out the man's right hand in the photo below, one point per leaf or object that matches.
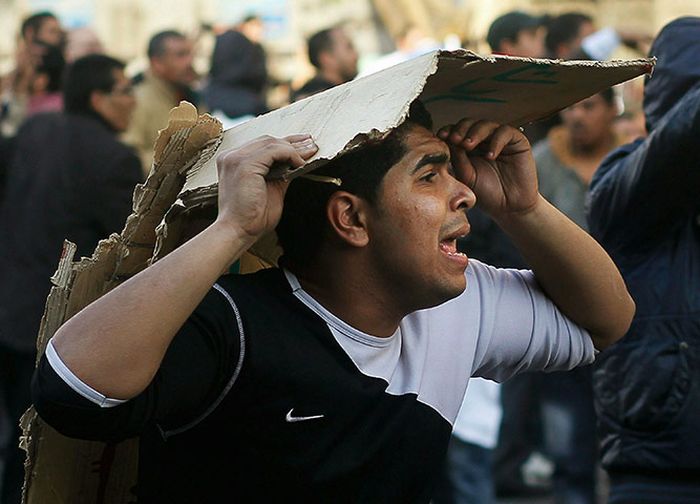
(249, 203)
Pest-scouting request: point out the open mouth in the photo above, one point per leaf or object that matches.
(448, 245)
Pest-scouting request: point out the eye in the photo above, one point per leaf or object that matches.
(428, 177)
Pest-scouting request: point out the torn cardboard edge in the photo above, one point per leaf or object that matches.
(59, 469)
(452, 85)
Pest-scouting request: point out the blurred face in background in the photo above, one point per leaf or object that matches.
(528, 44)
(343, 57)
(175, 64)
(49, 32)
(116, 106)
(590, 122)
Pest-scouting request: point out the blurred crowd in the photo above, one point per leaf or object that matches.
(78, 135)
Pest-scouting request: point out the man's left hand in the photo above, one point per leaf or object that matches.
(496, 162)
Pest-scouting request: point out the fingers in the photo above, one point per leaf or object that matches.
(488, 136)
(260, 154)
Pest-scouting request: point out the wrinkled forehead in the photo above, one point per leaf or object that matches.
(419, 144)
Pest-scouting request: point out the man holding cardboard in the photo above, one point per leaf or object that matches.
(337, 377)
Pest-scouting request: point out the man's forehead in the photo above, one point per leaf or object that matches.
(419, 138)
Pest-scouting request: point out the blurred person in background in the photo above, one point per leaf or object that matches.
(81, 42)
(238, 75)
(566, 162)
(468, 474)
(645, 210)
(69, 178)
(333, 54)
(45, 86)
(166, 82)
(517, 33)
(573, 35)
(41, 33)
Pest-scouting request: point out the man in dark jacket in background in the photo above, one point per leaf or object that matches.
(70, 178)
(238, 73)
(645, 210)
(333, 54)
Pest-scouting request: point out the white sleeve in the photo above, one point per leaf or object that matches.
(78, 385)
(520, 328)
(601, 44)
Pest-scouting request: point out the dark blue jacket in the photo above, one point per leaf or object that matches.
(645, 210)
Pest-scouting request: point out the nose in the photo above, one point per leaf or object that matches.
(463, 197)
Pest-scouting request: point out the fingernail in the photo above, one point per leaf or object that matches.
(490, 154)
(306, 139)
(469, 139)
(307, 145)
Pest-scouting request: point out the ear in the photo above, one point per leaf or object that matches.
(347, 216)
(97, 101)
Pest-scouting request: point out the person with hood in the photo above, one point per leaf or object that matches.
(238, 74)
(645, 210)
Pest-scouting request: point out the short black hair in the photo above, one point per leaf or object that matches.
(303, 226)
(563, 29)
(35, 21)
(94, 72)
(156, 46)
(320, 42)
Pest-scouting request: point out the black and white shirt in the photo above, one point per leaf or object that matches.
(265, 395)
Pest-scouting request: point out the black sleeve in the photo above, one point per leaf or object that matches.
(199, 367)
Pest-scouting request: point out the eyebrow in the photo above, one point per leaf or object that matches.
(431, 159)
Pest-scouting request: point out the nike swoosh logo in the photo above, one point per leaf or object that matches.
(291, 419)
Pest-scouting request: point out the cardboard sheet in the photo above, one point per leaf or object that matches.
(452, 85)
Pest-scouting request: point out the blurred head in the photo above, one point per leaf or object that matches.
(566, 32)
(253, 28)
(170, 56)
(42, 27)
(96, 85)
(590, 122)
(81, 42)
(398, 211)
(333, 53)
(517, 34)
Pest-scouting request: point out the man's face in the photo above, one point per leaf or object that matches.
(116, 106)
(175, 65)
(344, 55)
(529, 44)
(590, 122)
(414, 224)
(566, 50)
(49, 32)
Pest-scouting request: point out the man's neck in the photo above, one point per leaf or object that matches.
(353, 297)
